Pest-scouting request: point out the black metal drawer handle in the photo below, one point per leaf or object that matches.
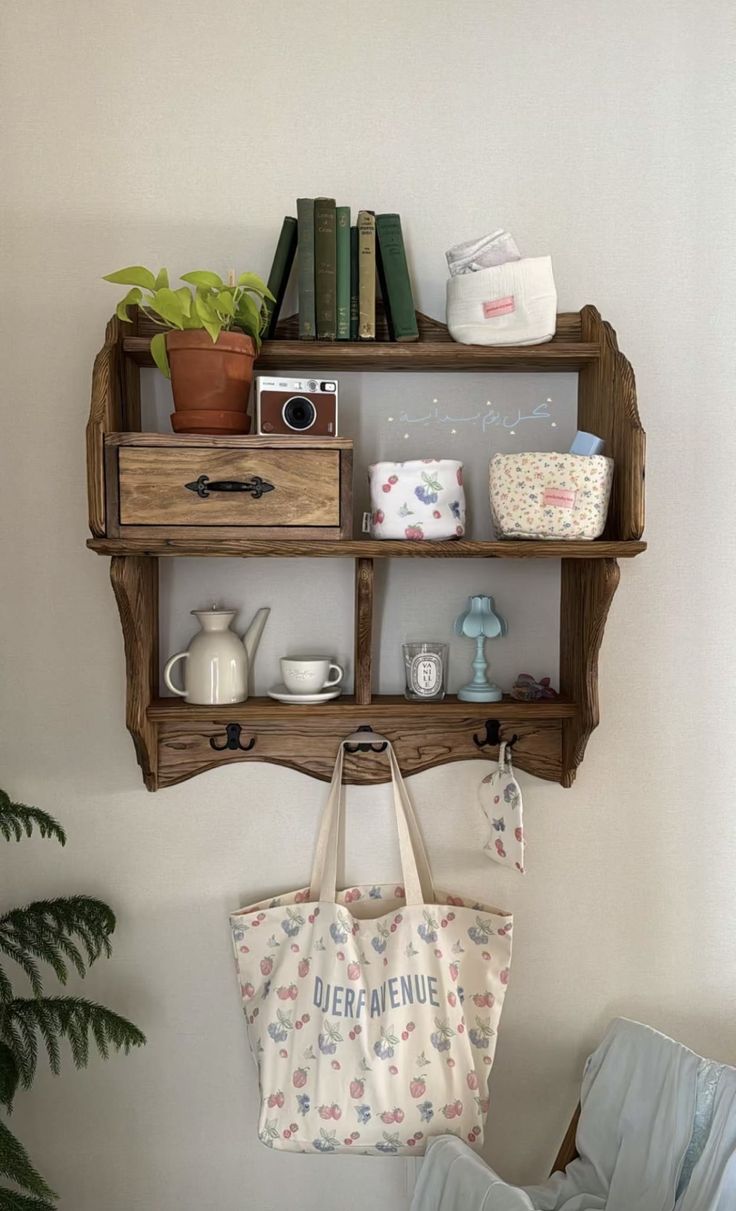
(256, 486)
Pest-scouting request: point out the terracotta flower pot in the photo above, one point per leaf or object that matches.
(210, 420)
(210, 376)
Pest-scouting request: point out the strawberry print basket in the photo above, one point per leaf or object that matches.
(550, 495)
(371, 1013)
(420, 499)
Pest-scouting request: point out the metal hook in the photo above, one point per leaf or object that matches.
(493, 736)
(366, 748)
(232, 740)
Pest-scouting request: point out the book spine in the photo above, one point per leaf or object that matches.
(305, 222)
(366, 275)
(278, 278)
(395, 281)
(354, 306)
(342, 218)
(325, 268)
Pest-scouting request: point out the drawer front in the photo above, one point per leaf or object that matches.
(165, 486)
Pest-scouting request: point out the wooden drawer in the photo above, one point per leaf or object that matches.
(296, 487)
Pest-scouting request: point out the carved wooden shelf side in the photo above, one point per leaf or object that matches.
(175, 740)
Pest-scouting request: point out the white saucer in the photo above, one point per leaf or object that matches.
(281, 694)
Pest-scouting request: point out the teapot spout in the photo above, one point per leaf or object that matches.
(252, 636)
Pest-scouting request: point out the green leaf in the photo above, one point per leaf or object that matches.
(168, 305)
(251, 281)
(134, 275)
(224, 303)
(133, 296)
(249, 316)
(15, 1164)
(17, 819)
(11, 1200)
(162, 279)
(159, 354)
(9, 1076)
(185, 295)
(203, 277)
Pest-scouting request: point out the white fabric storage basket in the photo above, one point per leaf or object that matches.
(420, 499)
(550, 495)
(511, 304)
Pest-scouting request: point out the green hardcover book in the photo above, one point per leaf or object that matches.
(325, 268)
(354, 307)
(278, 278)
(366, 275)
(342, 214)
(305, 248)
(395, 283)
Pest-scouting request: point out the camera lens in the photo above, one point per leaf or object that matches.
(299, 413)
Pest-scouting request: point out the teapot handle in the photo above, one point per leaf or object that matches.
(167, 671)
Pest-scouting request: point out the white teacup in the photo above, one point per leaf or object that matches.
(310, 674)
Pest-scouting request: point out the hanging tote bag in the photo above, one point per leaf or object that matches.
(371, 1013)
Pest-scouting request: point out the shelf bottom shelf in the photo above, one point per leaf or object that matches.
(191, 739)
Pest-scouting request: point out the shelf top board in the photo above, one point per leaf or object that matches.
(326, 356)
(364, 548)
(383, 707)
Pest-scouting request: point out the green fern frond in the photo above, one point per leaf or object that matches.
(15, 1165)
(11, 1201)
(17, 819)
(52, 931)
(9, 1076)
(79, 1021)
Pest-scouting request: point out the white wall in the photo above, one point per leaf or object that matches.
(601, 133)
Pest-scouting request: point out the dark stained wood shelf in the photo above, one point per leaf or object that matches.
(175, 740)
(365, 548)
(435, 350)
(329, 356)
(509, 710)
(191, 739)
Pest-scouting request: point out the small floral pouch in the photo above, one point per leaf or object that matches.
(500, 797)
(419, 499)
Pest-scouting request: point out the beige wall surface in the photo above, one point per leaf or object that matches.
(600, 133)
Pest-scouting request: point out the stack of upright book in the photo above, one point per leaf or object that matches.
(337, 269)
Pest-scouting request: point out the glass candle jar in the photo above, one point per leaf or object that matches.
(425, 668)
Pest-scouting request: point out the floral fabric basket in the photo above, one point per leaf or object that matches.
(550, 495)
(416, 500)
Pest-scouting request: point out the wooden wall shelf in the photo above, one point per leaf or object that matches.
(175, 740)
(364, 548)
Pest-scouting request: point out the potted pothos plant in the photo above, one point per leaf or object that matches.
(210, 334)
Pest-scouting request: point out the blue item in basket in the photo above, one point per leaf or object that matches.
(586, 443)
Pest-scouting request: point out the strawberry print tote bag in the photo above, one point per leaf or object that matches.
(371, 1012)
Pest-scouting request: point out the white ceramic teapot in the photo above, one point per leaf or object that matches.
(218, 661)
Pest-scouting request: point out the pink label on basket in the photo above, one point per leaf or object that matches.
(561, 498)
(499, 307)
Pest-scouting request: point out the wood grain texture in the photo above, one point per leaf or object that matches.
(394, 706)
(135, 583)
(307, 742)
(198, 441)
(586, 594)
(390, 356)
(105, 414)
(233, 545)
(364, 583)
(607, 406)
(568, 1148)
(153, 487)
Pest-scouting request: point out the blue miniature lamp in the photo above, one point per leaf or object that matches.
(480, 622)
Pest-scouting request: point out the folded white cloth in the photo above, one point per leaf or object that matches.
(657, 1132)
(493, 249)
(510, 304)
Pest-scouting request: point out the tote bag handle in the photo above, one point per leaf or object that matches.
(415, 869)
